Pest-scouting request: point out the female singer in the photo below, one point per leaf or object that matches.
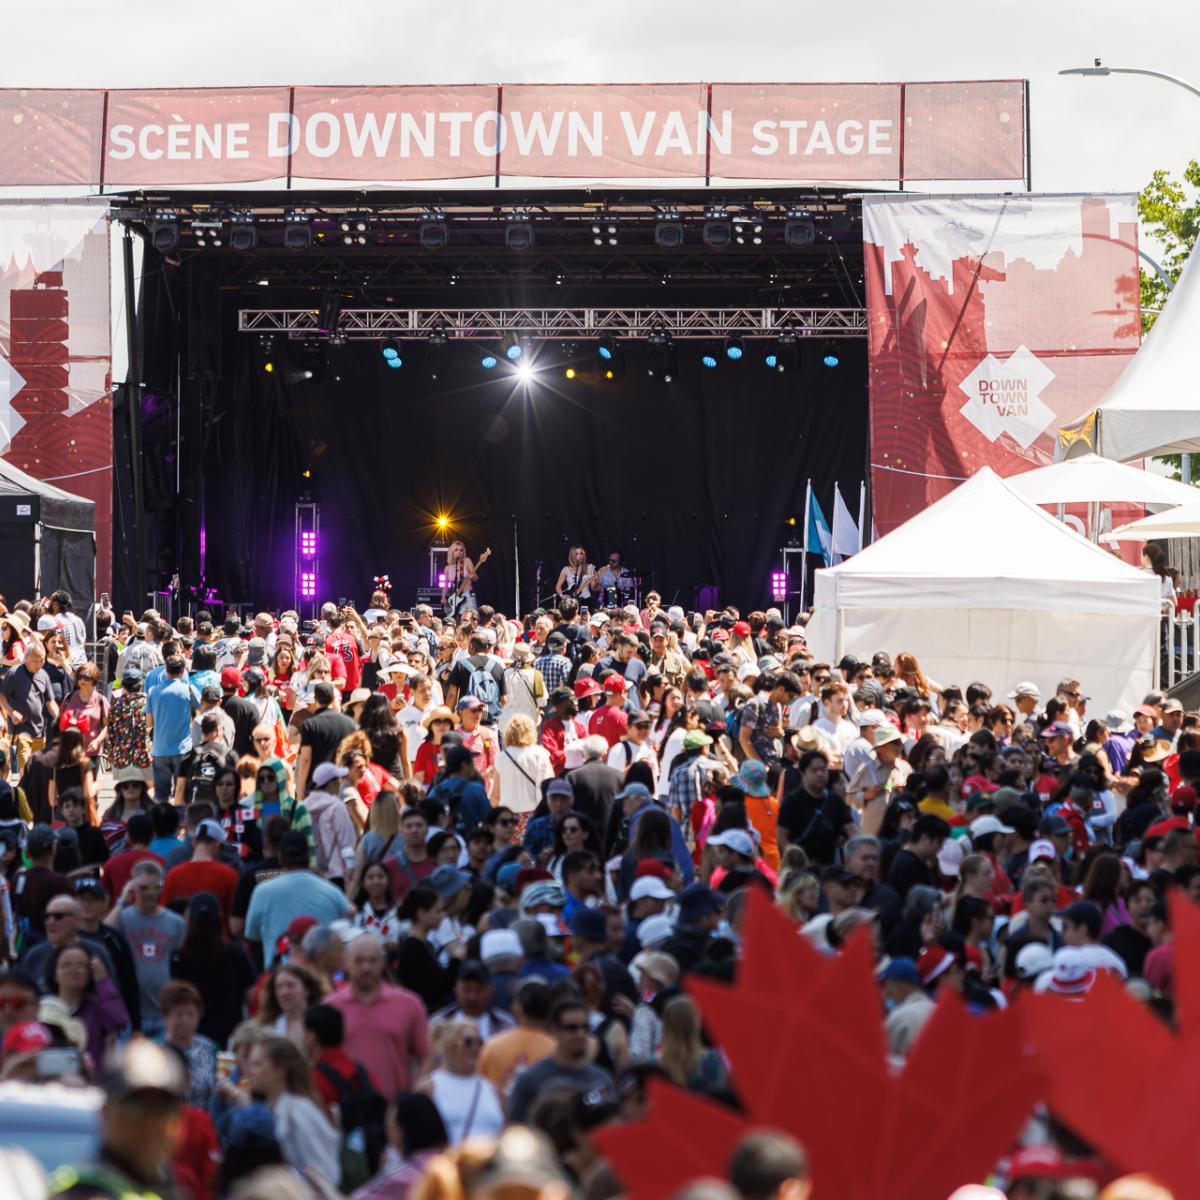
(458, 592)
(576, 578)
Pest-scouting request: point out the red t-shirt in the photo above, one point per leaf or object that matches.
(117, 870)
(343, 1065)
(189, 878)
(427, 762)
(610, 722)
(345, 646)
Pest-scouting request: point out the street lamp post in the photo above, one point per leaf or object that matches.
(1098, 69)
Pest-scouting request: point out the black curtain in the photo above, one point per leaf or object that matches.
(693, 481)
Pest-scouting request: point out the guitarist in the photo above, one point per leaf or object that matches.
(458, 593)
(576, 578)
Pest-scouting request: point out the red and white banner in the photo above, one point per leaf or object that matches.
(993, 321)
(779, 132)
(55, 354)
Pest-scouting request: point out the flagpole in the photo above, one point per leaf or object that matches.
(804, 545)
(862, 514)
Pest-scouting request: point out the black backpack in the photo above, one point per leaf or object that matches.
(363, 1111)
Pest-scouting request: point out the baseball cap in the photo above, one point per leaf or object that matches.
(590, 924)
(1033, 959)
(210, 831)
(741, 628)
(650, 887)
(1026, 688)
(1057, 729)
(468, 703)
(641, 718)
(448, 881)
(1170, 704)
(982, 826)
(499, 943)
(614, 683)
(256, 651)
(324, 772)
(559, 787)
(1042, 849)
(1145, 710)
(473, 971)
(26, 1038)
(142, 1066)
(633, 791)
(901, 970)
(231, 677)
(587, 686)
(696, 902)
(654, 929)
(737, 840)
(40, 840)
(293, 849)
(694, 739)
(838, 874)
(211, 694)
(1054, 826)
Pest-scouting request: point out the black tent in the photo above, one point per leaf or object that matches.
(47, 540)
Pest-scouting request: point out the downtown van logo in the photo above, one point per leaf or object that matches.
(1004, 397)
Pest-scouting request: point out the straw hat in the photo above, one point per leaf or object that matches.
(441, 713)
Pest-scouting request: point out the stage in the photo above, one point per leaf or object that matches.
(694, 480)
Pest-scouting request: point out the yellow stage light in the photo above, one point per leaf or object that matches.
(269, 367)
(442, 522)
(570, 372)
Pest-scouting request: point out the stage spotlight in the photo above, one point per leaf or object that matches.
(660, 356)
(668, 235)
(716, 234)
(569, 373)
(748, 231)
(604, 231)
(206, 232)
(395, 363)
(798, 233)
(269, 367)
(525, 372)
(734, 349)
(488, 360)
(708, 359)
(518, 232)
(243, 236)
(164, 236)
(771, 360)
(330, 312)
(513, 347)
(433, 234)
(606, 348)
(297, 232)
(785, 354)
(354, 227)
(831, 357)
(391, 353)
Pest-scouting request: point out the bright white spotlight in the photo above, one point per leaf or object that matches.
(525, 372)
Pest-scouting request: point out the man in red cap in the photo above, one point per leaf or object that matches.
(239, 710)
(610, 721)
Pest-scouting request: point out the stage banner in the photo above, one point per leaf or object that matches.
(993, 322)
(55, 354)
(512, 133)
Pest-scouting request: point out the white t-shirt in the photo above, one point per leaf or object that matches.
(521, 771)
(624, 754)
(835, 736)
(469, 1105)
(409, 719)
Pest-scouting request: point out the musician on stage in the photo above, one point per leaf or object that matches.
(459, 590)
(577, 577)
(612, 580)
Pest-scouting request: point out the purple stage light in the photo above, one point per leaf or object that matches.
(441, 579)
(308, 584)
(779, 585)
(308, 543)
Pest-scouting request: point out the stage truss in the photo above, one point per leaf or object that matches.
(363, 324)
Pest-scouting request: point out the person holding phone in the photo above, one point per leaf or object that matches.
(81, 981)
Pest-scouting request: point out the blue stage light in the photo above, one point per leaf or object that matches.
(734, 349)
(488, 361)
(708, 359)
(397, 361)
(771, 361)
(513, 352)
(831, 358)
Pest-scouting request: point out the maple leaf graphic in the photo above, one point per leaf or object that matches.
(804, 1035)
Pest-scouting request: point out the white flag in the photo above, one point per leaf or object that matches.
(846, 538)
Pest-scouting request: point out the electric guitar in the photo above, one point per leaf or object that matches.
(455, 600)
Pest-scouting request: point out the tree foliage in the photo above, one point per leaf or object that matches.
(1170, 213)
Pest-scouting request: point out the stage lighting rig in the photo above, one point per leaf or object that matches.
(330, 311)
(784, 356)
(434, 233)
(243, 235)
(716, 233)
(518, 231)
(831, 356)
(748, 231)
(514, 347)
(800, 230)
(605, 230)
(668, 231)
(489, 359)
(734, 349)
(355, 229)
(297, 230)
(660, 355)
(391, 354)
(164, 232)
(206, 231)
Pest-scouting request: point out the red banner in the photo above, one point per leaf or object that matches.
(992, 322)
(55, 354)
(829, 132)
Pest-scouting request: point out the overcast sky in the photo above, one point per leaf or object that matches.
(1088, 134)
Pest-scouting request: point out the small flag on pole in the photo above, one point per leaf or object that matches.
(818, 538)
(846, 538)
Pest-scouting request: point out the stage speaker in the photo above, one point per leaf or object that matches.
(431, 596)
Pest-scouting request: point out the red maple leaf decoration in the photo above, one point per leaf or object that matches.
(1118, 1076)
(804, 1035)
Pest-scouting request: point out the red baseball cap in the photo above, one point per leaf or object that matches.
(651, 867)
(741, 628)
(1144, 710)
(299, 927)
(614, 683)
(1185, 798)
(586, 686)
(27, 1038)
(231, 677)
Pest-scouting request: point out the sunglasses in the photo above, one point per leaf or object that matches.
(263, 738)
(471, 1041)
(574, 1027)
(506, 823)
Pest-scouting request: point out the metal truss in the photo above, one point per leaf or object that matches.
(373, 323)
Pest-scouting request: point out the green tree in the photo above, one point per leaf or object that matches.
(1170, 213)
(1169, 209)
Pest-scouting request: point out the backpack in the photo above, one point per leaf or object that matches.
(482, 685)
(733, 727)
(362, 1115)
(449, 792)
(204, 777)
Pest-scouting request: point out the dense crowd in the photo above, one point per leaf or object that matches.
(382, 904)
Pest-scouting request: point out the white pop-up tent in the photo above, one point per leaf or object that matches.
(984, 585)
(1091, 479)
(1154, 406)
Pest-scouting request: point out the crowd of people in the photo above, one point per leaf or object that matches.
(386, 905)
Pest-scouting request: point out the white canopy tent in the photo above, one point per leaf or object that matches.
(1154, 406)
(985, 585)
(1091, 479)
(1181, 522)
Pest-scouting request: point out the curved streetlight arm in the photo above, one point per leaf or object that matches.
(1101, 70)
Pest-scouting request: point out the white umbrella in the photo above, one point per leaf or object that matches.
(1091, 479)
(1183, 521)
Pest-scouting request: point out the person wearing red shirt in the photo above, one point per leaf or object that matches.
(562, 728)
(118, 869)
(610, 720)
(343, 644)
(333, 1070)
(204, 873)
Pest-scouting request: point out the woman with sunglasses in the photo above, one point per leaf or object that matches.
(238, 819)
(133, 796)
(87, 702)
(272, 798)
(575, 832)
(437, 722)
(468, 1102)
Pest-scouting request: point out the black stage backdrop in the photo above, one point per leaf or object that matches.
(693, 481)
